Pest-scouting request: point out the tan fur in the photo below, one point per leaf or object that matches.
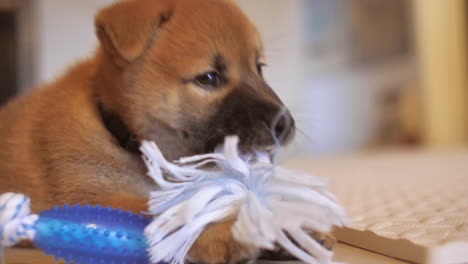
(54, 147)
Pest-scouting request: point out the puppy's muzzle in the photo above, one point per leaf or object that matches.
(260, 121)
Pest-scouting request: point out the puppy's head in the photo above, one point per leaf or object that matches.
(187, 73)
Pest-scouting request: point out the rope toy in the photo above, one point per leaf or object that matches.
(272, 205)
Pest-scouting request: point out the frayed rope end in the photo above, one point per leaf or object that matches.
(272, 205)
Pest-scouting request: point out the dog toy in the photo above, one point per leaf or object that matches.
(83, 234)
(272, 206)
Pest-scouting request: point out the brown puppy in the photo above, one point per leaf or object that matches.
(183, 73)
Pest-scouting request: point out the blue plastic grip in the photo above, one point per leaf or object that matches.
(93, 235)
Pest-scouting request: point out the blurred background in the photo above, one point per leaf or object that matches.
(359, 75)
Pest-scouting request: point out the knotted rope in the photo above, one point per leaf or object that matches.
(16, 221)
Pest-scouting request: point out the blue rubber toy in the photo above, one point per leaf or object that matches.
(82, 234)
(92, 235)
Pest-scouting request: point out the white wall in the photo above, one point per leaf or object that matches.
(66, 33)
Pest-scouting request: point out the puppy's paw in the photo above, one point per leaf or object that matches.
(327, 240)
(216, 245)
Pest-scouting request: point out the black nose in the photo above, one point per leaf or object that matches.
(283, 126)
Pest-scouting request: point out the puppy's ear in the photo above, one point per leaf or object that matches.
(127, 28)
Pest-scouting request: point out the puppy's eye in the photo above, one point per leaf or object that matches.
(209, 80)
(260, 68)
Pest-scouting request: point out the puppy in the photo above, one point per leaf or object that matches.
(182, 73)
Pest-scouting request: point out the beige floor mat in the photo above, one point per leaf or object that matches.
(409, 206)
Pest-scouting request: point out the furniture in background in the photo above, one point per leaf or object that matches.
(441, 32)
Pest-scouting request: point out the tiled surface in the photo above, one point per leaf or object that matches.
(411, 206)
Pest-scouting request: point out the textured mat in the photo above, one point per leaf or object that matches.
(412, 207)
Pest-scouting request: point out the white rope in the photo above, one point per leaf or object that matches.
(268, 202)
(16, 221)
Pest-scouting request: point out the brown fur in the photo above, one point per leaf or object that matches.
(55, 148)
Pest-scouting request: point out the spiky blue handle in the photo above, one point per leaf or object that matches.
(92, 235)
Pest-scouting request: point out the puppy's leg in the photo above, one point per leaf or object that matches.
(216, 245)
(125, 202)
(122, 200)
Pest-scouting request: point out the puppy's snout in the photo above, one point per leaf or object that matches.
(283, 126)
(258, 121)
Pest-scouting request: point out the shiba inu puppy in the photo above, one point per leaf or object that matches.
(183, 73)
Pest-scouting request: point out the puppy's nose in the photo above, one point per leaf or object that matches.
(284, 127)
